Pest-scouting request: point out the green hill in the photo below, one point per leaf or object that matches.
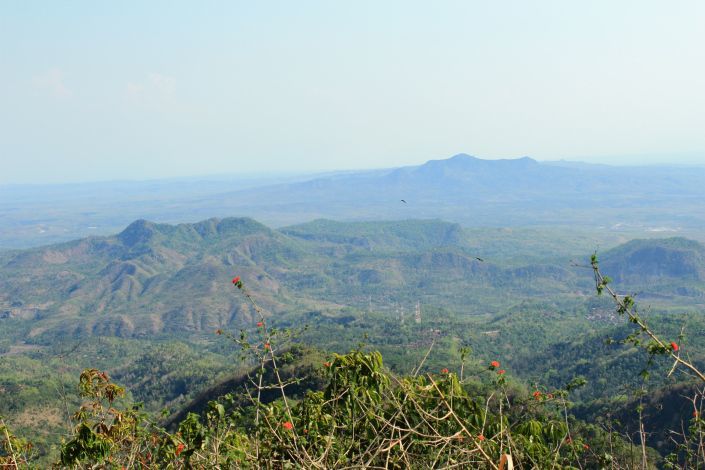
(657, 267)
(144, 305)
(153, 279)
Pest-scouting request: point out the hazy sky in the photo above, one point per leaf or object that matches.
(110, 90)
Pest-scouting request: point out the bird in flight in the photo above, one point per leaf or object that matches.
(403, 201)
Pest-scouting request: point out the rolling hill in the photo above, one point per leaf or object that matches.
(155, 279)
(158, 278)
(669, 266)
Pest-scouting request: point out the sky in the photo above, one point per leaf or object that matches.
(94, 91)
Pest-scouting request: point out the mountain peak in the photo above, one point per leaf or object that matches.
(139, 231)
(230, 226)
(144, 231)
(463, 156)
(463, 162)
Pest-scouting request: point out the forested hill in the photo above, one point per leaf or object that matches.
(658, 263)
(159, 278)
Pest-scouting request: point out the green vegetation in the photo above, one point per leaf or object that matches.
(144, 307)
(349, 410)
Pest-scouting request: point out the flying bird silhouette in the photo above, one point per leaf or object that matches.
(403, 201)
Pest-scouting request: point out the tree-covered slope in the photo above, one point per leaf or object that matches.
(159, 278)
(669, 266)
(156, 279)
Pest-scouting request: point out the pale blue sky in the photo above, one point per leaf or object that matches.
(112, 90)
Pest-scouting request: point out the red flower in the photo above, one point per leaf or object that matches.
(586, 447)
(179, 449)
(501, 371)
(287, 425)
(267, 346)
(674, 346)
(695, 414)
(494, 364)
(260, 324)
(537, 395)
(219, 331)
(444, 371)
(236, 279)
(305, 431)
(326, 364)
(480, 437)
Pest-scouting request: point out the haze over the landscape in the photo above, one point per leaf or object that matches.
(316, 234)
(475, 192)
(96, 91)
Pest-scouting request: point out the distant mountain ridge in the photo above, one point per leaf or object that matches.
(478, 192)
(463, 189)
